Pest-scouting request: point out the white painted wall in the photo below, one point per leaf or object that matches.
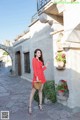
(72, 33)
(72, 72)
(71, 18)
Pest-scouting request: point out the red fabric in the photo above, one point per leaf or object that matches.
(38, 70)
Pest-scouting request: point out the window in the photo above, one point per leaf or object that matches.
(27, 62)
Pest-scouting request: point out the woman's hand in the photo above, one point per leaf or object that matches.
(37, 79)
(47, 64)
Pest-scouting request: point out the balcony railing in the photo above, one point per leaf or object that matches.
(34, 17)
(41, 3)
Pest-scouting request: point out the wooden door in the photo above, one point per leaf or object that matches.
(18, 58)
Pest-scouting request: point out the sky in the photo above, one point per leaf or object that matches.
(15, 17)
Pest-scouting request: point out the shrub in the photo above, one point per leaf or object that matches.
(48, 92)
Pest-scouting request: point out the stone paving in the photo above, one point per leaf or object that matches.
(14, 97)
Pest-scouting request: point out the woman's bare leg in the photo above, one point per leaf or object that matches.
(31, 99)
(40, 97)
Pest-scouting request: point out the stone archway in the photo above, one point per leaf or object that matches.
(75, 35)
(9, 50)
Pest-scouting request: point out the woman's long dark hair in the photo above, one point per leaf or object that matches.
(40, 58)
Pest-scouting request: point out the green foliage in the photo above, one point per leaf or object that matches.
(61, 57)
(62, 86)
(48, 92)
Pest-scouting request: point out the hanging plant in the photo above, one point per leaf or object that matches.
(61, 59)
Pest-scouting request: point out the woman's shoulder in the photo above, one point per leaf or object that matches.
(34, 59)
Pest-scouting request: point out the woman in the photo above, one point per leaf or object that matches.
(38, 74)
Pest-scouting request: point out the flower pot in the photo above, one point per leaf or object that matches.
(60, 92)
(60, 65)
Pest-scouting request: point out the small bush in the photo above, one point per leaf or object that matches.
(48, 92)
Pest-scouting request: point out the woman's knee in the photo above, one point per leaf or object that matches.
(33, 90)
(40, 90)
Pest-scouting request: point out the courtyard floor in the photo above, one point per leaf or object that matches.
(14, 97)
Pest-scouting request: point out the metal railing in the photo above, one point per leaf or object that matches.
(41, 3)
(34, 17)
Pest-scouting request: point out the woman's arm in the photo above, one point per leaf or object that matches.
(45, 67)
(35, 69)
(34, 64)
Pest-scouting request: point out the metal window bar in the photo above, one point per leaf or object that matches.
(34, 17)
(41, 3)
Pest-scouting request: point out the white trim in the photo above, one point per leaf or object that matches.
(28, 79)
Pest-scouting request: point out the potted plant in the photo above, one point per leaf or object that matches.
(62, 88)
(61, 60)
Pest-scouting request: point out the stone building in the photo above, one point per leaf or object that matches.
(38, 36)
(56, 29)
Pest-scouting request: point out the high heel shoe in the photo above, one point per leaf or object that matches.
(40, 107)
(30, 110)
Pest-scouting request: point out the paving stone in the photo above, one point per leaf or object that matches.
(2, 89)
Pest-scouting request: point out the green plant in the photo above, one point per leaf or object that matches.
(61, 57)
(48, 92)
(62, 86)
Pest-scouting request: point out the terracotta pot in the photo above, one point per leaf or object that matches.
(60, 65)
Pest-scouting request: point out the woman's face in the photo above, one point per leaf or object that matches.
(38, 54)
